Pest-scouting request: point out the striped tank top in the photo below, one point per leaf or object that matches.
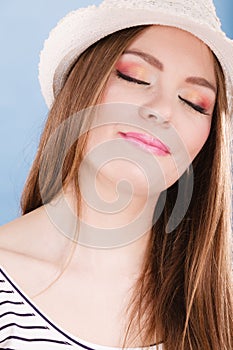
(24, 327)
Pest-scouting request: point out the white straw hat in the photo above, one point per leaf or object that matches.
(83, 27)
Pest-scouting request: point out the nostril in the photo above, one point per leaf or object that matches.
(152, 116)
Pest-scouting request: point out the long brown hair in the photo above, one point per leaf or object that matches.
(184, 293)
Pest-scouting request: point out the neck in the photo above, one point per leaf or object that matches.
(109, 242)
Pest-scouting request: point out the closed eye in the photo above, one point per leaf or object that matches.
(131, 79)
(194, 106)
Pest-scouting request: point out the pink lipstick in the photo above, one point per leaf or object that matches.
(146, 142)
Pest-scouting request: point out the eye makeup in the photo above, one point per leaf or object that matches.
(198, 99)
(135, 71)
(129, 67)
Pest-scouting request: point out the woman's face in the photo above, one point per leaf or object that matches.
(164, 86)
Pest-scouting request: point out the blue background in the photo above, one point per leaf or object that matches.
(24, 25)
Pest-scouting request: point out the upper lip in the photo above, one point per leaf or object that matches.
(148, 140)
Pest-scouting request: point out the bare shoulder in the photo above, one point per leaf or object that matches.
(17, 236)
(26, 251)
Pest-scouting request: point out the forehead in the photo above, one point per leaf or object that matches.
(175, 46)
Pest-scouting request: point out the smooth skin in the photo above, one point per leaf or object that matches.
(95, 287)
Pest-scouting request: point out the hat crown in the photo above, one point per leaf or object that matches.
(201, 11)
(85, 26)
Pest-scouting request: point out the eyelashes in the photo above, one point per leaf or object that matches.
(131, 79)
(194, 106)
(190, 104)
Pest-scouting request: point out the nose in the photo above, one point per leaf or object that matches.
(153, 115)
(159, 112)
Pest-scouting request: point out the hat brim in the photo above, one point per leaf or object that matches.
(82, 28)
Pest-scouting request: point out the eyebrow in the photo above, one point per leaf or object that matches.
(157, 64)
(201, 82)
(147, 57)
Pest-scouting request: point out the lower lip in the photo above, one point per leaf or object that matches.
(152, 149)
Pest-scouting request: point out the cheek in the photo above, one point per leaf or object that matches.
(113, 94)
(115, 91)
(196, 138)
(98, 135)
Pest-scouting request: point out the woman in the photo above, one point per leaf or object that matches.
(125, 235)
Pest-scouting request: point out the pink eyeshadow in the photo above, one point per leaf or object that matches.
(132, 69)
(205, 102)
(196, 98)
